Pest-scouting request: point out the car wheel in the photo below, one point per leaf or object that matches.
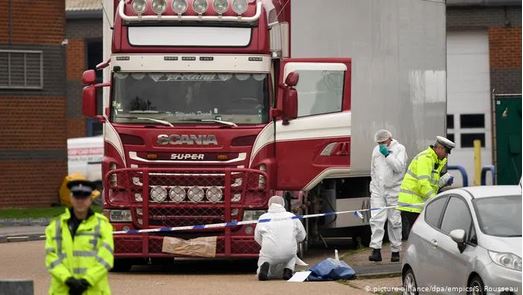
(410, 287)
(476, 286)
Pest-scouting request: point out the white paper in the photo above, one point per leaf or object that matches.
(300, 276)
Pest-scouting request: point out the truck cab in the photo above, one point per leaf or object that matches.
(200, 120)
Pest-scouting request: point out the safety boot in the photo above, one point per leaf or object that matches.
(395, 257)
(263, 275)
(376, 255)
(287, 274)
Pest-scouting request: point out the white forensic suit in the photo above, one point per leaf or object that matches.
(386, 176)
(278, 239)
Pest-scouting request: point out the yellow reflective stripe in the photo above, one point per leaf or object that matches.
(103, 262)
(97, 234)
(80, 270)
(84, 253)
(400, 204)
(56, 262)
(409, 172)
(406, 191)
(86, 233)
(58, 236)
(108, 247)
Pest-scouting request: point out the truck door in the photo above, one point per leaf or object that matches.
(315, 145)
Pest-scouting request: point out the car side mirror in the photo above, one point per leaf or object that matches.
(458, 236)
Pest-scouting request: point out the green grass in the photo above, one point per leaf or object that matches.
(19, 213)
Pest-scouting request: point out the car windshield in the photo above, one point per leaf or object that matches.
(499, 216)
(190, 97)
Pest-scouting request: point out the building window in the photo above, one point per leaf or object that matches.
(21, 69)
(472, 121)
(94, 57)
(467, 139)
(450, 121)
(450, 136)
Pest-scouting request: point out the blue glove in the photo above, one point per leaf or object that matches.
(450, 181)
(384, 150)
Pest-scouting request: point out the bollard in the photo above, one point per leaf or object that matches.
(477, 162)
(18, 287)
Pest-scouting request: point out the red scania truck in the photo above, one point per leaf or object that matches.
(212, 106)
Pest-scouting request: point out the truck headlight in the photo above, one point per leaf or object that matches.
(119, 215)
(159, 6)
(199, 6)
(158, 194)
(220, 6)
(239, 6)
(252, 214)
(214, 194)
(139, 6)
(195, 194)
(507, 260)
(179, 6)
(177, 194)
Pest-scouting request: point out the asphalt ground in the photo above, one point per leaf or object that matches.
(25, 261)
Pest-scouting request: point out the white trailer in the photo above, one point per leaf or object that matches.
(398, 53)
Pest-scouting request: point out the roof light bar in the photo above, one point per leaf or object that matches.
(180, 7)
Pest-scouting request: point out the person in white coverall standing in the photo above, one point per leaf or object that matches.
(388, 165)
(278, 240)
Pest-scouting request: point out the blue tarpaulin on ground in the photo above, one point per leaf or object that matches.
(331, 269)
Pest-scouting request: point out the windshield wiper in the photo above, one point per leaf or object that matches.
(226, 123)
(153, 120)
(220, 121)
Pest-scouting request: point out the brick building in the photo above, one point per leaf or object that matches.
(84, 51)
(484, 67)
(32, 102)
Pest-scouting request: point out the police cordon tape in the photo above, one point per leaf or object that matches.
(236, 223)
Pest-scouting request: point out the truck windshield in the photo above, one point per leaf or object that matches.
(190, 97)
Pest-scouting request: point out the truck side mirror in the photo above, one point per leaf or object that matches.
(290, 98)
(89, 101)
(89, 77)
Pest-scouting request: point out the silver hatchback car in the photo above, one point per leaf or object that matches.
(466, 240)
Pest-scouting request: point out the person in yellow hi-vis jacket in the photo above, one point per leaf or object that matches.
(422, 181)
(79, 246)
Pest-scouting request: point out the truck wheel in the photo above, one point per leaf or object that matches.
(122, 265)
(365, 235)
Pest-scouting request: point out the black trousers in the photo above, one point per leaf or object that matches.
(407, 221)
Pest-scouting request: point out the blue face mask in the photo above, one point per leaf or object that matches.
(383, 145)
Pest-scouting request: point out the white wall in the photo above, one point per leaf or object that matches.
(468, 92)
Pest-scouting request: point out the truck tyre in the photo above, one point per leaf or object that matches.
(122, 265)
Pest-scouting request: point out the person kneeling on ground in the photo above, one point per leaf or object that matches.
(278, 240)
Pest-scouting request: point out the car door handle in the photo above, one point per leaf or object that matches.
(434, 243)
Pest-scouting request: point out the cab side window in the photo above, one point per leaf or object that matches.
(320, 92)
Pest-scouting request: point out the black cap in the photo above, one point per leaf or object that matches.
(81, 188)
